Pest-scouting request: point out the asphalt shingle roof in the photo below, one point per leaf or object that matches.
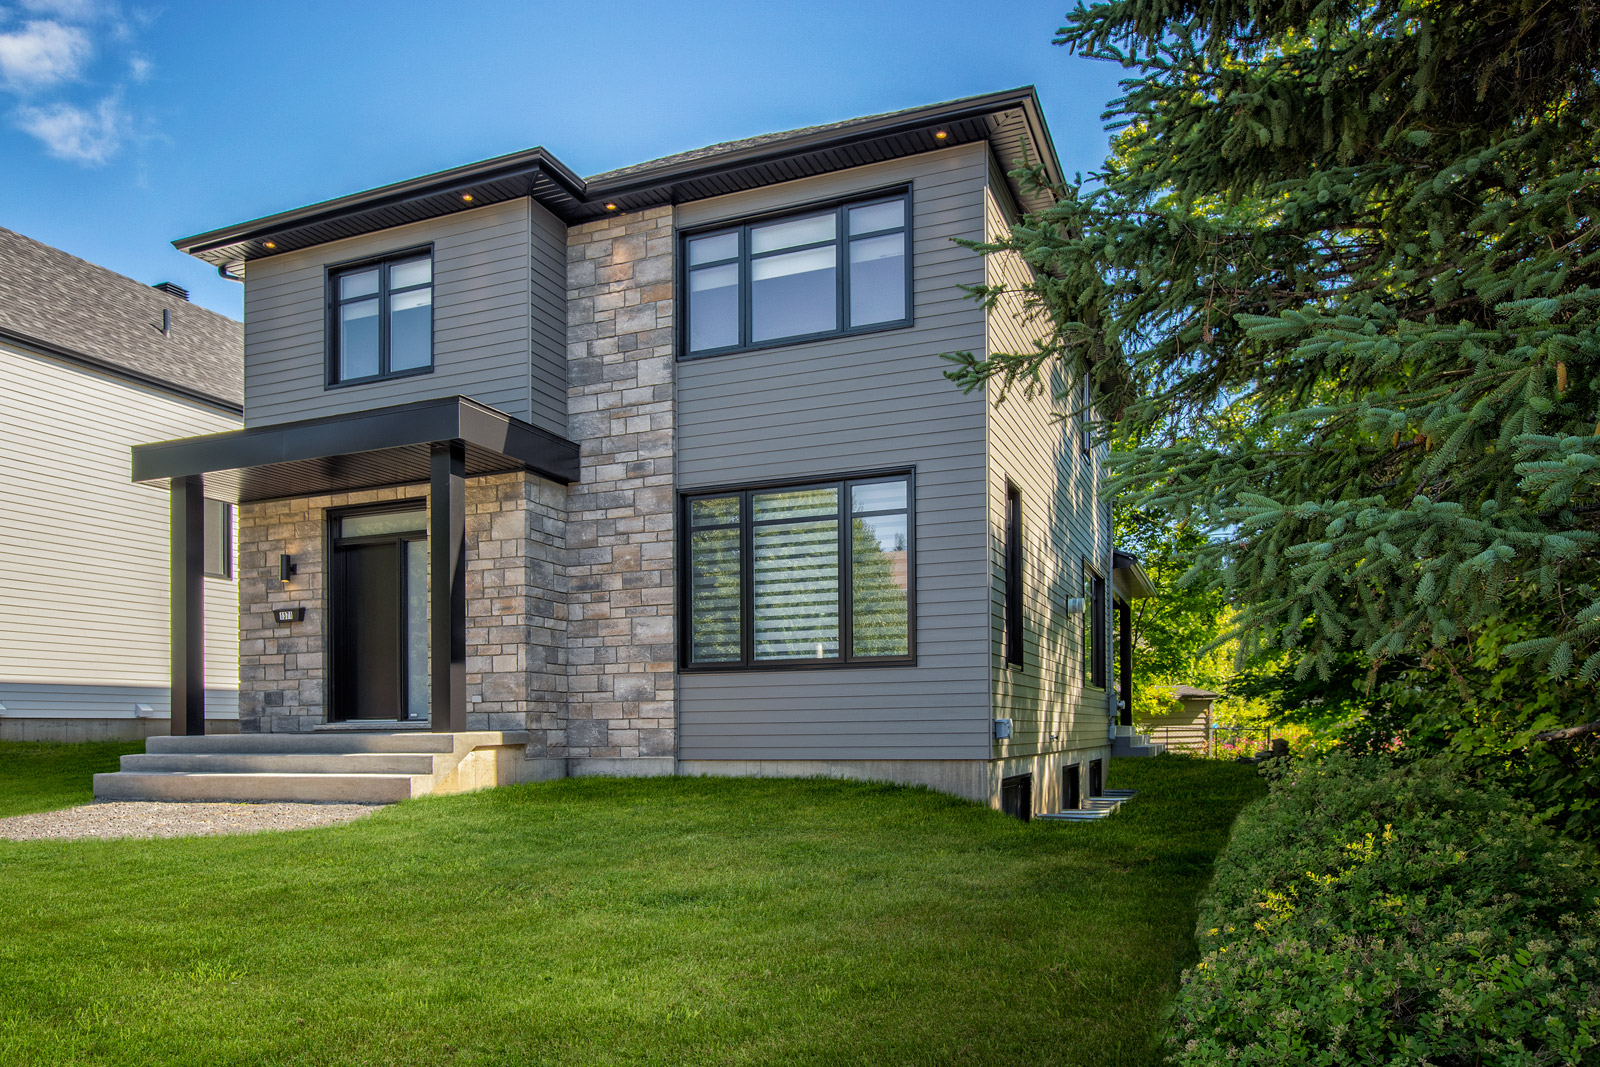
(66, 303)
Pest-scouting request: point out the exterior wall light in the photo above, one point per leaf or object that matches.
(1076, 605)
(286, 569)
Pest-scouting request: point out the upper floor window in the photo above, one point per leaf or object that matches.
(381, 319)
(835, 271)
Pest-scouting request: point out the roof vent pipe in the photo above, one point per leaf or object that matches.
(166, 322)
(172, 289)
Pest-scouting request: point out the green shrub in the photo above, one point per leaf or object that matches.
(1367, 912)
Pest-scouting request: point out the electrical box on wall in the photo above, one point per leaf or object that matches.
(285, 615)
(1002, 729)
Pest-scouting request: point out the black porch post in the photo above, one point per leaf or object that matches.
(188, 607)
(1125, 662)
(447, 616)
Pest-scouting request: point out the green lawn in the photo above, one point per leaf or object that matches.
(45, 775)
(670, 921)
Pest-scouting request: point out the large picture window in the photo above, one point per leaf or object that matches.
(838, 270)
(380, 319)
(799, 575)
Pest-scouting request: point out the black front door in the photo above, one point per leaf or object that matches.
(379, 613)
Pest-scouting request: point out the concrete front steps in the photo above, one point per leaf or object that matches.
(1128, 743)
(347, 767)
(1101, 807)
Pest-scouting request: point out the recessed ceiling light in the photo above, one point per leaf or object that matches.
(940, 135)
(467, 197)
(611, 207)
(271, 245)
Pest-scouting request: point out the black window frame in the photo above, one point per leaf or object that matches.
(747, 661)
(1094, 628)
(1013, 649)
(225, 529)
(841, 241)
(333, 272)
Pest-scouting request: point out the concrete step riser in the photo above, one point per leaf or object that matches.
(313, 788)
(288, 744)
(283, 763)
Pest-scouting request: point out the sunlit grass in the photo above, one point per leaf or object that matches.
(671, 921)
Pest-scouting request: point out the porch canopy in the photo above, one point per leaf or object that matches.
(441, 442)
(1129, 582)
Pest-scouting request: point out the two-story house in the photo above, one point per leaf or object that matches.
(92, 363)
(653, 472)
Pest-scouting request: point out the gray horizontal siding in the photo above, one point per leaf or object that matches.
(83, 551)
(1051, 707)
(497, 320)
(859, 403)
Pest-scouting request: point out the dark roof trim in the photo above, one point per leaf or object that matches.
(520, 169)
(674, 179)
(1129, 580)
(57, 352)
(402, 426)
(831, 137)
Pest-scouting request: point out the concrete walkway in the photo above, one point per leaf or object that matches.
(149, 819)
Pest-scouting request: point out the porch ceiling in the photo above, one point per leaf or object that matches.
(361, 450)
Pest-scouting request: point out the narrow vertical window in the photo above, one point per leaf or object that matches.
(1086, 407)
(1013, 577)
(1094, 630)
(218, 539)
(880, 574)
(715, 583)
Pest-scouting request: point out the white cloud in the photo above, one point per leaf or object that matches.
(90, 136)
(139, 68)
(42, 53)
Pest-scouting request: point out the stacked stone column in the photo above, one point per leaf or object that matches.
(621, 515)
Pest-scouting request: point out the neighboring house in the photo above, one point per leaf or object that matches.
(92, 363)
(657, 471)
(1185, 723)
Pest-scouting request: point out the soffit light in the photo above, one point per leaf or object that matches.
(271, 245)
(940, 135)
(467, 197)
(611, 207)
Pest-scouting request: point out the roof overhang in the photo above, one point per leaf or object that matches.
(1129, 581)
(362, 450)
(1011, 122)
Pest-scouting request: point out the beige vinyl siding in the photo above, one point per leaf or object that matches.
(1034, 444)
(83, 551)
(498, 329)
(873, 401)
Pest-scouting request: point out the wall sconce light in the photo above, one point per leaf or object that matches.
(1076, 605)
(286, 569)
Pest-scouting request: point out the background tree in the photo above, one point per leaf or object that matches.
(1339, 287)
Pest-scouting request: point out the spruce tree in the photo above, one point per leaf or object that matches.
(1338, 288)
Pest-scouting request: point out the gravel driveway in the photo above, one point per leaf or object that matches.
(120, 818)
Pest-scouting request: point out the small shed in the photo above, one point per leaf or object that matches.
(1187, 727)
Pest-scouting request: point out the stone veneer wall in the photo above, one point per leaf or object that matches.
(516, 608)
(621, 516)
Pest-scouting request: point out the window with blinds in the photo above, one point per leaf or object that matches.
(799, 575)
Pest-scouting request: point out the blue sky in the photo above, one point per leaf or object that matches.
(123, 126)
